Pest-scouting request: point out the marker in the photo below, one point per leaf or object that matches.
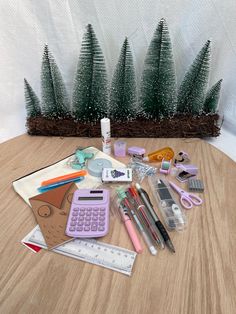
(48, 187)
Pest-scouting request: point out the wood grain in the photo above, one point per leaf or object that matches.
(199, 278)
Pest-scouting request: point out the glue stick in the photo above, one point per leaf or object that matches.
(106, 135)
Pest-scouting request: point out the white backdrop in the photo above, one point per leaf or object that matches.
(26, 25)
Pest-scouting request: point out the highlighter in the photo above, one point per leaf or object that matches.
(167, 153)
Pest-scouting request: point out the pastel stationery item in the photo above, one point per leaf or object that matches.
(106, 135)
(158, 155)
(120, 149)
(51, 210)
(182, 157)
(48, 187)
(96, 166)
(136, 151)
(66, 177)
(186, 172)
(89, 214)
(116, 175)
(165, 166)
(187, 200)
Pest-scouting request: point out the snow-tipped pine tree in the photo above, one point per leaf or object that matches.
(32, 102)
(158, 84)
(90, 95)
(123, 87)
(192, 90)
(55, 101)
(212, 98)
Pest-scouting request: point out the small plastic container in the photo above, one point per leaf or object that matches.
(170, 208)
(120, 149)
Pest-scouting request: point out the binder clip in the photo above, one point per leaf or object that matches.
(165, 166)
(186, 172)
(79, 159)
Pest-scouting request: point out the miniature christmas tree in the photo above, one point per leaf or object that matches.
(212, 98)
(192, 90)
(90, 88)
(158, 84)
(55, 103)
(123, 87)
(32, 102)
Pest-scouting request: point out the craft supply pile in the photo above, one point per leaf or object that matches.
(72, 200)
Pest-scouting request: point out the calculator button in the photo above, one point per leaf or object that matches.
(75, 209)
(73, 218)
(72, 229)
(81, 213)
(94, 218)
(102, 214)
(94, 228)
(75, 214)
(80, 223)
(82, 209)
(79, 228)
(101, 223)
(95, 214)
(87, 218)
(86, 228)
(81, 218)
(88, 214)
(102, 209)
(101, 218)
(94, 224)
(72, 223)
(95, 209)
(101, 228)
(87, 223)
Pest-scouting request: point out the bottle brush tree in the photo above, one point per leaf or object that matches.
(212, 98)
(192, 90)
(90, 96)
(55, 102)
(123, 87)
(32, 102)
(158, 84)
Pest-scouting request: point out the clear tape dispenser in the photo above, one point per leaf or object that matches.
(170, 208)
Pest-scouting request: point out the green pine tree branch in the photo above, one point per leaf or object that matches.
(54, 95)
(32, 102)
(192, 90)
(158, 84)
(123, 87)
(212, 98)
(89, 101)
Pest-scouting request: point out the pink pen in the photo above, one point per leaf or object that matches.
(130, 228)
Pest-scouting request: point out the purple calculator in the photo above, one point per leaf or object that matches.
(89, 214)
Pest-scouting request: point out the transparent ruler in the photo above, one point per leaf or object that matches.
(91, 251)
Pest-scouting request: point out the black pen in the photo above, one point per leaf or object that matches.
(158, 223)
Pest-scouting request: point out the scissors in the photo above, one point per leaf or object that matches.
(186, 199)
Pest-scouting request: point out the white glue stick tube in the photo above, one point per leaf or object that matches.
(106, 135)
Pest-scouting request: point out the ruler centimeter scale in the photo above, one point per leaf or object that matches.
(89, 250)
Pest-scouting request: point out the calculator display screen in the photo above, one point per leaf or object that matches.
(90, 198)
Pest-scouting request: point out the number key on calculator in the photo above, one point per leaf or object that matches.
(89, 214)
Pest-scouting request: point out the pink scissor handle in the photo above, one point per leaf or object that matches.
(196, 200)
(186, 202)
(133, 235)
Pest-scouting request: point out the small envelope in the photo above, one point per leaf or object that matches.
(51, 210)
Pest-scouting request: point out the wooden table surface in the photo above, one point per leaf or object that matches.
(199, 278)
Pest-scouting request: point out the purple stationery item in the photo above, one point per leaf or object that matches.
(120, 149)
(186, 199)
(186, 172)
(89, 214)
(136, 151)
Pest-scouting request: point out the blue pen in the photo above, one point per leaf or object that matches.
(48, 187)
